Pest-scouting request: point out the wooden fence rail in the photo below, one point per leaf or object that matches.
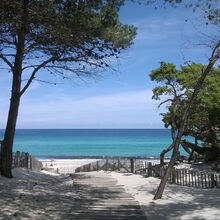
(21, 159)
(183, 177)
(126, 165)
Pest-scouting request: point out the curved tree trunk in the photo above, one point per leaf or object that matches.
(162, 154)
(163, 182)
(186, 149)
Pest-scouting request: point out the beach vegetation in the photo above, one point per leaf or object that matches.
(210, 14)
(185, 114)
(66, 38)
(203, 121)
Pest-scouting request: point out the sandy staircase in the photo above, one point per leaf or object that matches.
(101, 198)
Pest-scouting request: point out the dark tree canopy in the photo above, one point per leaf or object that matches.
(64, 32)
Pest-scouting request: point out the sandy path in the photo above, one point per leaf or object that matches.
(178, 202)
(37, 195)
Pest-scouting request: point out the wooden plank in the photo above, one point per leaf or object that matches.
(186, 179)
(189, 178)
(209, 180)
(97, 165)
(173, 176)
(118, 165)
(177, 176)
(132, 165)
(202, 178)
(206, 186)
(214, 178)
(198, 179)
(183, 173)
(192, 178)
(150, 169)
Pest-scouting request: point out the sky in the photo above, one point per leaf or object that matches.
(121, 98)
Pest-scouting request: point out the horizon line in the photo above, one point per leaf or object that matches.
(82, 128)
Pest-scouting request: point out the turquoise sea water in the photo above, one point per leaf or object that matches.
(73, 143)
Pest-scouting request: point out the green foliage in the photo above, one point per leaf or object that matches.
(161, 90)
(179, 85)
(167, 74)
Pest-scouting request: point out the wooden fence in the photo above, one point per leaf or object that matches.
(21, 159)
(183, 177)
(113, 164)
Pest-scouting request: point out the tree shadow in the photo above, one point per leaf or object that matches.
(32, 195)
(191, 203)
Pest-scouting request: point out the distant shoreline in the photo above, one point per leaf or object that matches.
(18, 129)
(57, 157)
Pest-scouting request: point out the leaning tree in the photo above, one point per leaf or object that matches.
(210, 14)
(175, 90)
(64, 37)
(215, 55)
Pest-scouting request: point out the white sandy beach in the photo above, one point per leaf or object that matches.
(65, 165)
(32, 188)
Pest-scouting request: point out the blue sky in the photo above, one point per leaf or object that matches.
(120, 99)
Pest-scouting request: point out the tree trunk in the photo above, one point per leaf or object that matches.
(7, 143)
(173, 130)
(162, 154)
(162, 185)
(192, 152)
(214, 57)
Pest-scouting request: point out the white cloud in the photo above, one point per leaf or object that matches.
(156, 28)
(128, 110)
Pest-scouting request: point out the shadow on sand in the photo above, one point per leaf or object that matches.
(32, 195)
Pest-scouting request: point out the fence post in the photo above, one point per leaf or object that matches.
(106, 165)
(149, 169)
(97, 165)
(132, 165)
(31, 162)
(118, 165)
(173, 178)
(212, 180)
(17, 159)
(26, 155)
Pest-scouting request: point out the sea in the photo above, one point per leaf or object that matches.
(92, 143)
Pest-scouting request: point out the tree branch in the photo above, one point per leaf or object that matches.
(7, 61)
(168, 100)
(34, 73)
